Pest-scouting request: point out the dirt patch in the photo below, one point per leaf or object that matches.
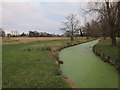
(54, 54)
(71, 84)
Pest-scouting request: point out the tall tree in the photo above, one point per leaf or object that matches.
(92, 29)
(70, 25)
(2, 33)
(111, 12)
(14, 33)
(86, 30)
(104, 27)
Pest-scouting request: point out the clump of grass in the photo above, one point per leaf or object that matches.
(54, 54)
(68, 43)
(28, 49)
(38, 49)
(46, 48)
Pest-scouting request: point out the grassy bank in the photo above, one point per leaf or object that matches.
(29, 64)
(105, 47)
(110, 52)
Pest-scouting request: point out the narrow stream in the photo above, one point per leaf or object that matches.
(85, 69)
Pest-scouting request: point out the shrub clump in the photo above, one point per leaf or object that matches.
(28, 49)
(46, 48)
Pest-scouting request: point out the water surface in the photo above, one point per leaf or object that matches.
(85, 69)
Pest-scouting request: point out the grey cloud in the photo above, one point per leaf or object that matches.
(47, 17)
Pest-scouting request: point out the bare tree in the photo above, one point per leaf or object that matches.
(104, 27)
(95, 28)
(87, 30)
(92, 29)
(110, 11)
(2, 33)
(14, 33)
(70, 25)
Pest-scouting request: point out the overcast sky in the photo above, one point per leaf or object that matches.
(39, 16)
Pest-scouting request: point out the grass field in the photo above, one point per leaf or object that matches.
(26, 64)
(17, 40)
(105, 47)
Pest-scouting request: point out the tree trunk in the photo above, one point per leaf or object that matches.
(104, 37)
(87, 37)
(72, 33)
(112, 26)
(81, 34)
(113, 38)
(71, 38)
(114, 43)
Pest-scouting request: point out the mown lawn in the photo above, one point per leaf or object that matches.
(106, 48)
(25, 65)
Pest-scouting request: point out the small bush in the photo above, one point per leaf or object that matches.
(46, 49)
(38, 49)
(60, 62)
(68, 43)
(28, 49)
(55, 55)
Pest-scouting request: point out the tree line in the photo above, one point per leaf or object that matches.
(107, 23)
(108, 20)
(14, 33)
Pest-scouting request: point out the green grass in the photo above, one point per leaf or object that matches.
(106, 48)
(31, 69)
(85, 69)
